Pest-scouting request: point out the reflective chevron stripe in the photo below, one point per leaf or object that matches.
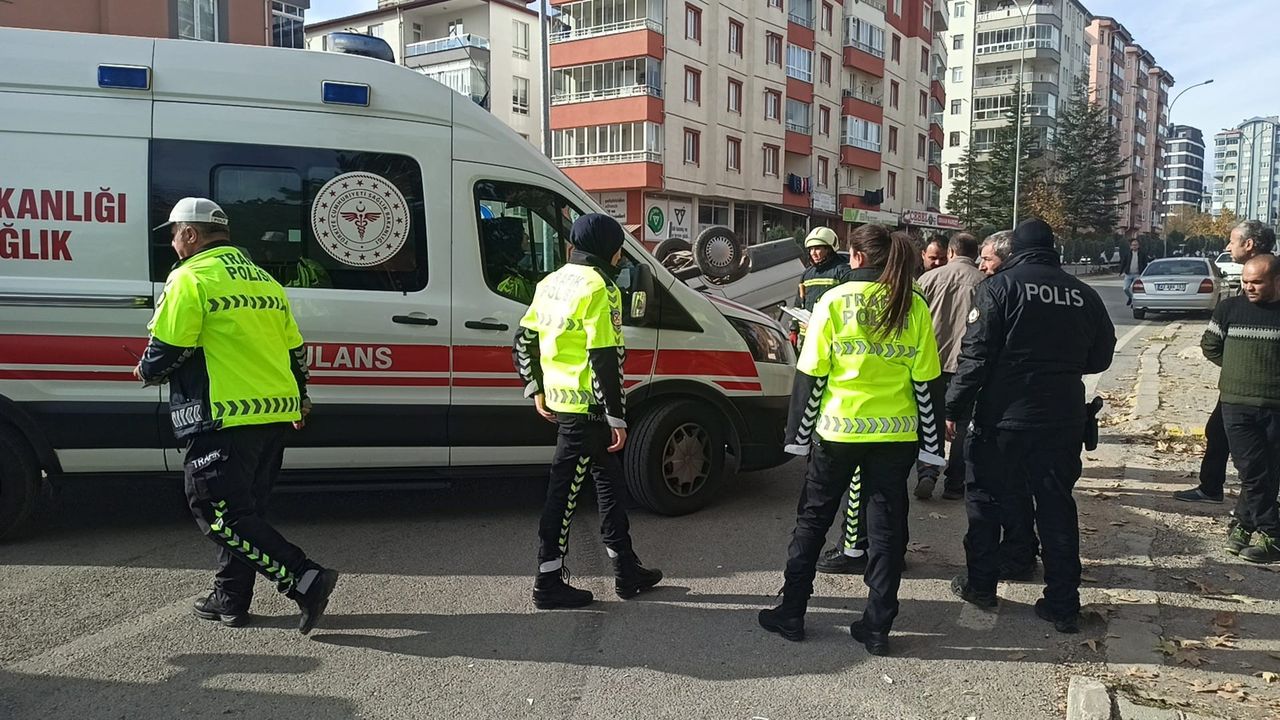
(851, 525)
(256, 406)
(930, 433)
(571, 504)
(868, 426)
(246, 302)
(862, 347)
(569, 397)
(222, 533)
(811, 407)
(558, 323)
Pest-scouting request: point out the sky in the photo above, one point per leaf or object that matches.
(1195, 40)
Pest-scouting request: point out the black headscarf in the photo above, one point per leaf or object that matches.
(598, 235)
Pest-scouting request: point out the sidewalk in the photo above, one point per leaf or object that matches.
(1183, 629)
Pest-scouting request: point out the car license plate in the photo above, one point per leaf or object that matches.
(1172, 287)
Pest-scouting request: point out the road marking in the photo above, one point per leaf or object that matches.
(1091, 381)
(1129, 335)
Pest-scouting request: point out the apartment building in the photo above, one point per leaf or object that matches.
(1125, 79)
(766, 116)
(487, 50)
(247, 22)
(1184, 170)
(1246, 170)
(989, 41)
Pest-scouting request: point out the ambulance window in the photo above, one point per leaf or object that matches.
(524, 230)
(313, 218)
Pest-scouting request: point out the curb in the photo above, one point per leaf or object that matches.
(1088, 699)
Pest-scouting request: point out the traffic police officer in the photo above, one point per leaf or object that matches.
(224, 339)
(1033, 333)
(570, 354)
(868, 385)
(827, 270)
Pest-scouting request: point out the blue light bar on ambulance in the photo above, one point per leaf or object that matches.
(128, 77)
(341, 93)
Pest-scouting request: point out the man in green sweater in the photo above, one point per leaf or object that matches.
(1244, 339)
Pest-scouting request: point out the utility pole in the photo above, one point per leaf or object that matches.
(545, 43)
(1018, 89)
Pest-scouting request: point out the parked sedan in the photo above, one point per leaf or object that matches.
(1179, 285)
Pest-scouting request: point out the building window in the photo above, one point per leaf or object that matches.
(953, 140)
(520, 95)
(893, 139)
(286, 25)
(692, 147)
(897, 7)
(924, 61)
(733, 155)
(693, 24)
(374, 30)
(775, 3)
(772, 105)
(924, 104)
(771, 160)
(957, 75)
(824, 170)
(859, 133)
(824, 69)
(827, 17)
(773, 49)
(198, 20)
(955, 107)
(735, 96)
(417, 32)
(455, 28)
(596, 144)
(692, 86)
(957, 42)
(959, 9)
(895, 49)
(921, 141)
(735, 38)
(893, 93)
(891, 182)
(824, 121)
(800, 63)
(920, 191)
(520, 39)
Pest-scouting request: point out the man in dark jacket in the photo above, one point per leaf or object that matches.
(1132, 262)
(1034, 332)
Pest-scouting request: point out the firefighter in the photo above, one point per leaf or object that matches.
(827, 270)
(569, 352)
(224, 339)
(868, 385)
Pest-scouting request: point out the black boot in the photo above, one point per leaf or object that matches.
(211, 608)
(631, 577)
(552, 591)
(836, 562)
(876, 643)
(315, 599)
(1065, 625)
(960, 588)
(787, 619)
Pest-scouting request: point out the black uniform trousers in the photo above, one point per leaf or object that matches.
(1008, 470)
(884, 468)
(1217, 450)
(229, 475)
(582, 448)
(1254, 434)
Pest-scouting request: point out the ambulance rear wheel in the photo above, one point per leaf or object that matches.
(675, 457)
(19, 483)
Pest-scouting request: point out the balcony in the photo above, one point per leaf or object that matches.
(993, 81)
(614, 28)
(801, 20)
(648, 156)
(446, 50)
(857, 152)
(941, 19)
(877, 4)
(609, 94)
(1038, 8)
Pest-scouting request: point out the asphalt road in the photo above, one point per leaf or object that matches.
(432, 617)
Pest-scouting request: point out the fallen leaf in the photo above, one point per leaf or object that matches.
(1187, 656)
(1018, 656)
(1222, 641)
(937, 516)
(1201, 686)
(1137, 672)
(1118, 523)
(1225, 620)
(1183, 642)
(1269, 677)
(1204, 587)
(1093, 644)
(1088, 578)
(1122, 597)
(888, 680)
(1235, 577)
(916, 547)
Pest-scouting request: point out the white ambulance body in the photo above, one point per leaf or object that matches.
(404, 195)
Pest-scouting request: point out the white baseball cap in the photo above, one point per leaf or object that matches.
(195, 210)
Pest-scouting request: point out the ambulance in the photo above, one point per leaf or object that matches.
(395, 211)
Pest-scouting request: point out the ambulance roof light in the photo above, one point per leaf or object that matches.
(350, 43)
(344, 93)
(127, 77)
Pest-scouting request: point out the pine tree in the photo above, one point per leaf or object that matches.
(1087, 170)
(960, 201)
(994, 189)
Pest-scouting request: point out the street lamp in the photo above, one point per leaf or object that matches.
(1169, 117)
(1017, 144)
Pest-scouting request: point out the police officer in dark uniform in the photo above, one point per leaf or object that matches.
(1033, 333)
(570, 354)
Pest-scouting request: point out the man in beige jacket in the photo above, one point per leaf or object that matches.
(949, 289)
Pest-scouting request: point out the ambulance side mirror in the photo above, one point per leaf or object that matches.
(637, 282)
